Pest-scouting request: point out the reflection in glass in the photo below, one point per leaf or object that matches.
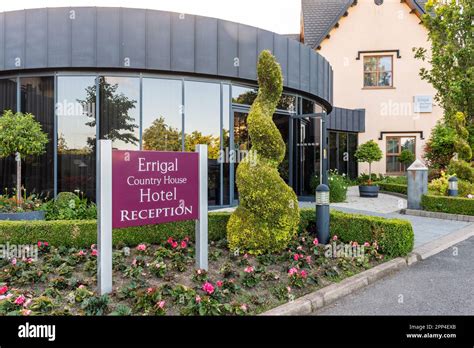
(342, 149)
(241, 141)
(246, 96)
(119, 110)
(352, 148)
(226, 142)
(76, 135)
(162, 115)
(202, 126)
(8, 88)
(37, 98)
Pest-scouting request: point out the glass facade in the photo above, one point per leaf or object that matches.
(143, 111)
(37, 98)
(76, 134)
(8, 101)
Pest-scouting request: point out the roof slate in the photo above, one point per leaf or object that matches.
(320, 16)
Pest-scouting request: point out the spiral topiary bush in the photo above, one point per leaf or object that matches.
(268, 214)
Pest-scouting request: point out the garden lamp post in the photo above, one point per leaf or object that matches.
(453, 186)
(322, 213)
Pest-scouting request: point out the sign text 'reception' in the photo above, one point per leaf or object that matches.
(153, 187)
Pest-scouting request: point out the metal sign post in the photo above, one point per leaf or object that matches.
(202, 223)
(104, 214)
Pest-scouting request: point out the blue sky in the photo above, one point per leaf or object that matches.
(280, 16)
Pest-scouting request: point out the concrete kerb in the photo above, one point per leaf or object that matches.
(311, 302)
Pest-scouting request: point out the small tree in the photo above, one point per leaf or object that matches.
(20, 135)
(368, 152)
(406, 157)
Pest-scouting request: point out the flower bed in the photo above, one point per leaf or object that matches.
(160, 279)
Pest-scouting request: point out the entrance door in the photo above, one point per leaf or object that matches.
(307, 163)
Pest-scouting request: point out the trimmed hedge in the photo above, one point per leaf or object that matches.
(446, 204)
(83, 233)
(390, 187)
(395, 237)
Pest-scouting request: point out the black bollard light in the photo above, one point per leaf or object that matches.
(453, 186)
(322, 213)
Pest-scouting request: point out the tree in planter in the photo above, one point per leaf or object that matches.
(406, 158)
(367, 153)
(20, 135)
(268, 215)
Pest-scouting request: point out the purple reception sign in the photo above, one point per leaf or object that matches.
(151, 187)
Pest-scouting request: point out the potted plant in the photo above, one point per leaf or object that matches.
(21, 136)
(368, 152)
(406, 158)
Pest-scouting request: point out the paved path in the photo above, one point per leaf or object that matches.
(388, 206)
(440, 285)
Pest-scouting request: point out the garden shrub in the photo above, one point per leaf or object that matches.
(440, 186)
(395, 237)
(338, 185)
(83, 233)
(69, 206)
(461, 169)
(393, 187)
(268, 214)
(392, 235)
(451, 205)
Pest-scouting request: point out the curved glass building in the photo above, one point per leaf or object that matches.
(152, 80)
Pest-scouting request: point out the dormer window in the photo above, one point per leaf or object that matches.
(378, 71)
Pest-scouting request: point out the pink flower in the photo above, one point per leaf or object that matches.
(299, 247)
(184, 244)
(93, 246)
(29, 260)
(45, 244)
(199, 271)
(248, 269)
(14, 261)
(3, 289)
(296, 257)
(288, 289)
(161, 304)
(20, 300)
(39, 244)
(304, 274)
(315, 241)
(243, 307)
(219, 283)
(355, 244)
(141, 247)
(149, 290)
(81, 253)
(246, 256)
(174, 245)
(27, 303)
(25, 312)
(198, 299)
(308, 259)
(94, 252)
(208, 287)
(334, 238)
(366, 244)
(292, 271)
(186, 239)
(82, 286)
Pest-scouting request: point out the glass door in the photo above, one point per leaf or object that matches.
(307, 162)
